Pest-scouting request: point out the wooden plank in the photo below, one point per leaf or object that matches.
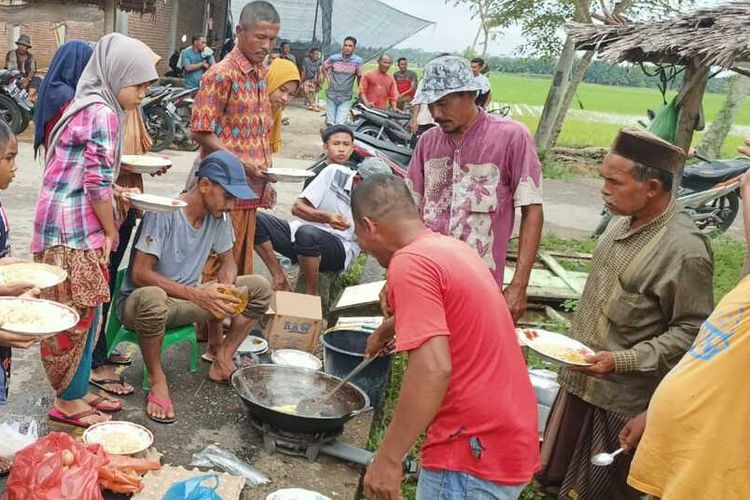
(560, 271)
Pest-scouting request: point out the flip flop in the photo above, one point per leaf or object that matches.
(96, 403)
(208, 358)
(75, 419)
(119, 359)
(102, 384)
(164, 404)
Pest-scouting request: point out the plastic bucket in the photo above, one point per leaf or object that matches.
(343, 350)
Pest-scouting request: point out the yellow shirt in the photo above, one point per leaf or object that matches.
(697, 439)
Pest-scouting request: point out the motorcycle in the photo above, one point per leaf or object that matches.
(182, 100)
(159, 115)
(709, 193)
(15, 106)
(381, 124)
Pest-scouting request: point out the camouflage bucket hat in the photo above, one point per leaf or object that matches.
(445, 75)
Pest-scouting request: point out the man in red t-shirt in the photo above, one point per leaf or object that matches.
(466, 382)
(378, 88)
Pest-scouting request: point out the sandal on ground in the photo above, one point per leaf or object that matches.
(75, 419)
(102, 384)
(118, 358)
(164, 404)
(96, 403)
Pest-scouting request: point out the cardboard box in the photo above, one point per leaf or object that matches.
(294, 321)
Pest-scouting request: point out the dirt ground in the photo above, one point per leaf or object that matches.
(208, 413)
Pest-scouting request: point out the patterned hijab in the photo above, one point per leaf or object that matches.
(118, 62)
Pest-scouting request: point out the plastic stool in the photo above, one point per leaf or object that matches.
(116, 334)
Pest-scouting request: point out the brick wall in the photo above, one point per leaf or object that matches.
(154, 30)
(43, 37)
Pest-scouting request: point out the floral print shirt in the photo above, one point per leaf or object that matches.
(470, 191)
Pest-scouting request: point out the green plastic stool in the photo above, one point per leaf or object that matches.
(116, 334)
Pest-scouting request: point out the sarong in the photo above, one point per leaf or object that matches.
(85, 289)
(576, 431)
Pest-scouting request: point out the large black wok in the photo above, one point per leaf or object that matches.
(263, 387)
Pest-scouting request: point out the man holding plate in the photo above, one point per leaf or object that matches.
(648, 292)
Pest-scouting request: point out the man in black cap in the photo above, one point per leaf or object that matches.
(162, 287)
(23, 60)
(648, 292)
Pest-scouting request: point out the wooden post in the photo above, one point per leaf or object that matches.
(689, 102)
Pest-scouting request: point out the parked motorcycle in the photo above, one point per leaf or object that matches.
(15, 107)
(182, 100)
(710, 193)
(160, 116)
(381, 124)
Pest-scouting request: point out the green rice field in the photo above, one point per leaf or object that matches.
(605, 109)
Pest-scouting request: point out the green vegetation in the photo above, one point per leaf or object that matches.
(728, 260)
(610, 101)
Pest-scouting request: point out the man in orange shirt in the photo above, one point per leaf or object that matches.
(378, 88)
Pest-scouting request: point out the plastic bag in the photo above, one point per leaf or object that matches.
(213, 456)
(13, 440)
(38, 471)
(664, 124)
(192, 489)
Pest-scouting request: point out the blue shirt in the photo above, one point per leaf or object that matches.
(190, 56)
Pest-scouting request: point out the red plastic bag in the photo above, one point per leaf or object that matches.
(38, 471)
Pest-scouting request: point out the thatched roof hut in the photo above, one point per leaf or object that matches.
(718, 36)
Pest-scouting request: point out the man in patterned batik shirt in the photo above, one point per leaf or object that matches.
(470, 173)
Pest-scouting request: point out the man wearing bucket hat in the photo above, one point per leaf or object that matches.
(161, 289)
(23, 60)
(471, 172)
(324, 239)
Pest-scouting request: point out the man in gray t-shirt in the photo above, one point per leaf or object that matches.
(162, 289)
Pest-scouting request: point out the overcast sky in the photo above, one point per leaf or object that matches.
(454, 30)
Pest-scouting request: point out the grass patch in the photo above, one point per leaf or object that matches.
(551, 168)
(729, 257)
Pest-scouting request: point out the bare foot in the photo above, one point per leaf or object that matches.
(221, 369)
(108, 373)
(106, 405)
(160, 390)
(78, 406)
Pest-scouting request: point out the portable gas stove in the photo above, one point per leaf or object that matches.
(299, 444)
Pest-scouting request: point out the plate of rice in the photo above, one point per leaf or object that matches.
(35, 317)
(555, 347)
(40, 275)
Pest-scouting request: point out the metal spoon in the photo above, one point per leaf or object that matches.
(604, 459)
